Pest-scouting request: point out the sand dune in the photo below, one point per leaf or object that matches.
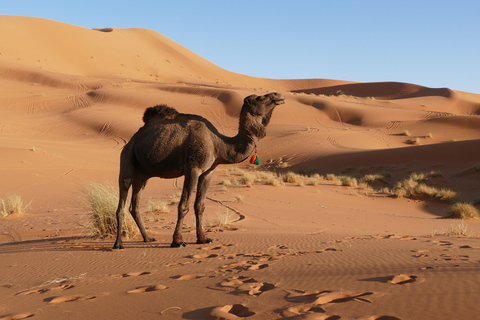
(70, 98)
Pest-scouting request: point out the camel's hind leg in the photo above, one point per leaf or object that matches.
(138, 184)
(124, 185)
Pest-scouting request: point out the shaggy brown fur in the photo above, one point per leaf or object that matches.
(173, 144)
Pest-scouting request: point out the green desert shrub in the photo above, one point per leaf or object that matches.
(102, 202)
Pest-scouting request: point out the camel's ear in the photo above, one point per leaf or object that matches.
(249, 101)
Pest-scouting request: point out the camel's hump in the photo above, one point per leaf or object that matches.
(162, 110)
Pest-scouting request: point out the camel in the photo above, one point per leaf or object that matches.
(172, 144)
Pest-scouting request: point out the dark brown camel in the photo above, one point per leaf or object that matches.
(173, 144)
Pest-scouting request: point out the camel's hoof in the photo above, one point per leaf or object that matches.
(178, 245)
(118, 246)
(208, 240)
(149, 240)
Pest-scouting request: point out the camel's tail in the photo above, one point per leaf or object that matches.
(163, 111)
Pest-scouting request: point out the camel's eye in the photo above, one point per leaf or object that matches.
(260, 98)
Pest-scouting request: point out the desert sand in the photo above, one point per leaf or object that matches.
(71, 97)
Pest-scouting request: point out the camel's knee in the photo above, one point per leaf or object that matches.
(182, 212)
(199, 208)
(126, 183)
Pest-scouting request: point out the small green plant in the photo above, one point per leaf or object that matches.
(12, 204)
(463, 210)
(102, 202)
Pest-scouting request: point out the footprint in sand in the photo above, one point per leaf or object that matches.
(244, 265)
(43, 290)
(217, 247)
(443, 243)
(379, 318)
(402, 279)
(148, 289)
(257, 266)
(246, 285)
(55, 300)
(180, 264)
(189, 276)
(229, 312)
(17, 316)
(307, 312)
(316, 298)
(202, 256)
(129, 274)
(336, 297)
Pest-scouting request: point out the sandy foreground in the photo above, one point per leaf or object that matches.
(71, 97)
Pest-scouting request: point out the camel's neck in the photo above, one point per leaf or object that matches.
(238, 148)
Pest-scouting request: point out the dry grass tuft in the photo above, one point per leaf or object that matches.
(415, 185)
(175, 198)
(247, 179)
(414, 141)
(237, 198)
(222, 220)
(457, 229)
(225, 182)
(157, 205)
(290, 177)
(12, 204)
(274, 182)
(102, 201)
(463, 210)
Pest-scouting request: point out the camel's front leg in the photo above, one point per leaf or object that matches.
(191, 179)
(199, 206)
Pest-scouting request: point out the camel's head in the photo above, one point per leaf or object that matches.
(257, 111)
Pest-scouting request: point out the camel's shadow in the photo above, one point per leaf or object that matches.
(73, 243)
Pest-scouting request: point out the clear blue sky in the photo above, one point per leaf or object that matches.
(426, 42)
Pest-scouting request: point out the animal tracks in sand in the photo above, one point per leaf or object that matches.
(189, 276)
(17, 316)
(202, 256)
(244, 265)
(129, 274)
(324, 297)
(43, 290)
(61, 299)
(229, 312)
(313, 303)
(216, 247)
(441, 253)
(403, 279)
(246, 285)
(148, 289)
